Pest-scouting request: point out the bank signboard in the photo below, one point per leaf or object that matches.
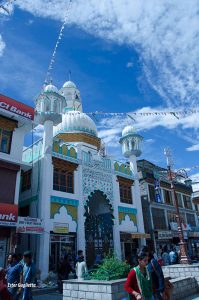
(30, 225)
(8, 214)
(15, 107)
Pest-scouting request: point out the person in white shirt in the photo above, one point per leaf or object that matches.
(81, 267)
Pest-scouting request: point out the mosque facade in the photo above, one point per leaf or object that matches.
(84, 198)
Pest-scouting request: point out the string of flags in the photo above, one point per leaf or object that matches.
(52, 61)
(176, 114)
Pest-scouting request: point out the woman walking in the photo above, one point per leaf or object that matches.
(139, 283)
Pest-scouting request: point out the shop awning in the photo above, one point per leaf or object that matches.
(138, 235)
(194, 234)
(129, 236)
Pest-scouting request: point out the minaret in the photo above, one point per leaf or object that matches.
(72, 96)
(130, 142)
(49, 106)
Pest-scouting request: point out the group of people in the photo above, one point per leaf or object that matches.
(18, 278)
(65, 268)
(146, 280)
(169, 257)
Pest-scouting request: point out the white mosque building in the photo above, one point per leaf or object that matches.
(85, 198)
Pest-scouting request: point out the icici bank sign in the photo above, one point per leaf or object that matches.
(16, 107)
(8, 214)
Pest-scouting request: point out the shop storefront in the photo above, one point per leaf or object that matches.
(163, 238)
(130, 243)
(8, 222)
(60, 245)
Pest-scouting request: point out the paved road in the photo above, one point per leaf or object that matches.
(57, 296)
(51, 296)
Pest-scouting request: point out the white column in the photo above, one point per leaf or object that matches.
(17, 187)
(137, 196)
(44, 199)
(116, 231)
(81, 244)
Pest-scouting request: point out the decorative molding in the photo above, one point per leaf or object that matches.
(62, 200)
(127, 210)
(66, 158)
(80, 137)
(96, 177)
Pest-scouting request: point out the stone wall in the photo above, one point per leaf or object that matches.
(184, 287)
(94, 290)
(176, 271)
(114, 290)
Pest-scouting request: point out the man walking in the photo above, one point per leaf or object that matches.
(28, 276)
(13, 271)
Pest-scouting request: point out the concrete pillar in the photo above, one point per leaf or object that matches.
(44, 199)
(116, 231)
(81, 243)
(137, 196)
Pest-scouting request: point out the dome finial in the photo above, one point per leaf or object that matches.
(69, 75)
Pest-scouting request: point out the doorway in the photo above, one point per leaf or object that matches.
(98, 227)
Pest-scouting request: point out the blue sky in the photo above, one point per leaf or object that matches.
(124, 56)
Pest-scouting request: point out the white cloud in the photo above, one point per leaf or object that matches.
(2, 46)
(63, 217)
(164, 33)
(193, 148)
(127, 225)
(129, 64)
(38, 131)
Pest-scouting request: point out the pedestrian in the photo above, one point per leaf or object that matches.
(4, 293)
(81, 267)
(157, 276)
(165, 257)
(28, 275)
(13, 271)
(139, 283)
(63, 272)
(173, 256)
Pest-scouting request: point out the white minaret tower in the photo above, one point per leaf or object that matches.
(130, 142)
(49, 106)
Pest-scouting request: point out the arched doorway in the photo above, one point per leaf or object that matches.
(98, 227)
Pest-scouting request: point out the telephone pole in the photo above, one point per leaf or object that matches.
(184, 258)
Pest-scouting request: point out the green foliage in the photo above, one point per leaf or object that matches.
(111, 269)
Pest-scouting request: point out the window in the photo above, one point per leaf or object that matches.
(168, 197)
(159, 221)
(24, 211)
(179, 197)
(26, 180)
(63, 180)
(196, 207)
(125, 193)
(5, 140)
(187, 202)
(152, 193)
(191, 220)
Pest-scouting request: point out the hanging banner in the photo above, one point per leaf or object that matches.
(30, 225)
(157, 191)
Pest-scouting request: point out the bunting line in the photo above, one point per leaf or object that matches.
(52, 61)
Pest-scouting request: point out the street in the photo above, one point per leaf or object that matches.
(51, 296)
(57, 296)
